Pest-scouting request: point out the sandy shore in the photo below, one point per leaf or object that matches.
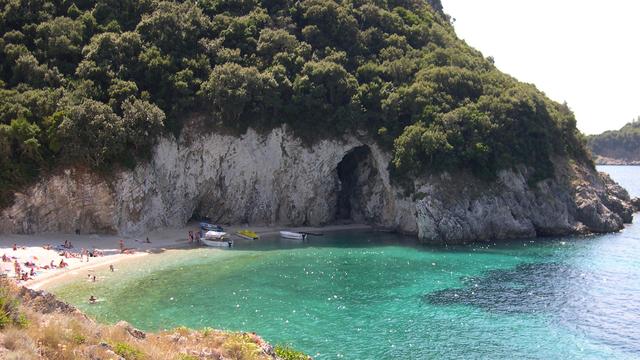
(30, 248)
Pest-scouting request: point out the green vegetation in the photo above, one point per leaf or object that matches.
(10, 314)
(94, 82)
(623, 144)
(287, 353)
(128, 351)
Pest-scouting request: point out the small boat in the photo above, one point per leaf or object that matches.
(293, 235)
(214, 235)
(248, 234)
(217, 243)
(210, 227)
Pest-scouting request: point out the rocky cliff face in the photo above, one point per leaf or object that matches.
(274, 179)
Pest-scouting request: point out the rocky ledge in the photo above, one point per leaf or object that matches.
(275, 179)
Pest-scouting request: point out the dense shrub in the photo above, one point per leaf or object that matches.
(128, 351)
(10, 313)
(287, 353)
(88, 81)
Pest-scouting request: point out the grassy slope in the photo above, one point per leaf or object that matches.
(34, 327)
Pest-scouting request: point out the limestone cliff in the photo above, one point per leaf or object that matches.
(275, 179)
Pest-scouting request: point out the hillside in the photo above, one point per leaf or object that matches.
(617, 147)
(36, 325)
(94, 84)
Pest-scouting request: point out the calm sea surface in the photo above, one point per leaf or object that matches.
(380, 296)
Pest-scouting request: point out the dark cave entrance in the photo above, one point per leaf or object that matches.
(359, 188)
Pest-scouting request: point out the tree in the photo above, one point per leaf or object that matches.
(236, 93)
(93, 134)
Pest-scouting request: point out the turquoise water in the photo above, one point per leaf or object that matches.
(366, 295)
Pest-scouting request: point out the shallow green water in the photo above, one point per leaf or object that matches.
(352, 296)
(379, 296)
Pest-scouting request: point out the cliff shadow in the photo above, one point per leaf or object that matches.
(359, 188)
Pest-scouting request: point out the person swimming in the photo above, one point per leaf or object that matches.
(92, 299)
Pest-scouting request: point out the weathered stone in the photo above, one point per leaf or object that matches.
(138, 334)
(275, 179)
(45, 302)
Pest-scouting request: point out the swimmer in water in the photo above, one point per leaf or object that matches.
(92, 299)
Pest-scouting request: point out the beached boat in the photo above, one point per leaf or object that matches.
(214, 235)
(217, 243)
(210, 227)
(248, 234)
(293, 235)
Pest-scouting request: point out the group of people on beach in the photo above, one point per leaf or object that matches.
(28, 269)
(194, 236)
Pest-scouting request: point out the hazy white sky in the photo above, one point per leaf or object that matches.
(586, 52)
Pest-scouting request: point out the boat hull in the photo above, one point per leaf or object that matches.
(292, 235)
(246, 237)
(217, 243)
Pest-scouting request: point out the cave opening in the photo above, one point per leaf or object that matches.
(359, 187)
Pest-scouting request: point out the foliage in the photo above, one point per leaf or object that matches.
(128, 351)
(287, 353)
(85, 82)
(10, 313)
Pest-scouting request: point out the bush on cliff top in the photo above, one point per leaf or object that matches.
(95, 82)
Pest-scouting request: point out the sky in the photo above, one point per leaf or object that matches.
(584, 52)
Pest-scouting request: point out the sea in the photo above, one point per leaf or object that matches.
(373, 295)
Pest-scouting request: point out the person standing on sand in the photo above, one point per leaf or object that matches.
(17, 268)
(111, 268)
(15, 247)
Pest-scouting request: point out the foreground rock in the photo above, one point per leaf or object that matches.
(275, 179)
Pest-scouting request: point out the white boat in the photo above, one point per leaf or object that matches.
(212, 235)
(293, 235)
(217, 243)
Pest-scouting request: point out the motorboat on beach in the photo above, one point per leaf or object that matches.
(214, 235)
(248, 234)
(217, 243)
(216, 239)
(293, 235)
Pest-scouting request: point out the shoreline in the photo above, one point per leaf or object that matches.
(30, 248)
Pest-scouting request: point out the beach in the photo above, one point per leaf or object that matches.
(43, 250)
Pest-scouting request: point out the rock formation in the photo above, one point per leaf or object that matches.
(275, 179)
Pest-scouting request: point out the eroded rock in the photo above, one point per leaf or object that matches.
(275, 179)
